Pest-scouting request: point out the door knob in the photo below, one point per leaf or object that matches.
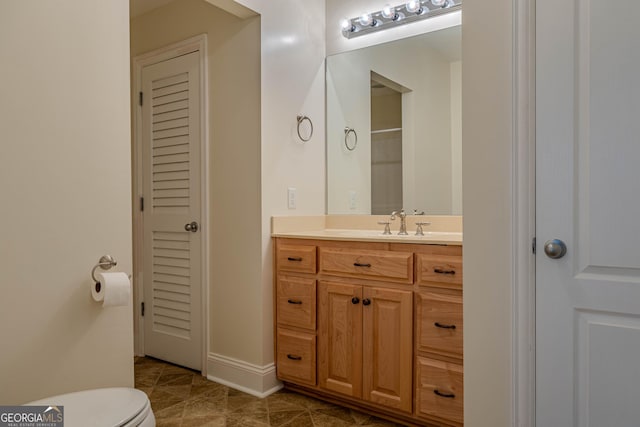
(555, 248)
(192, 227)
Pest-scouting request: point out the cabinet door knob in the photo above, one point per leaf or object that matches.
(294, 357)
(355, 300)
(294, 301)
(441, 271)
(294, 258)
(366, 301)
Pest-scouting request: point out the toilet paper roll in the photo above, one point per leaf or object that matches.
(114, 289)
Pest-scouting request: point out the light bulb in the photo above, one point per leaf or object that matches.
(347, 25)
(439, 3)
(414, 6)
(389, 12)
(366, 20)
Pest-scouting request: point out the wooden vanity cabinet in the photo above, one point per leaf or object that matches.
(377, 326)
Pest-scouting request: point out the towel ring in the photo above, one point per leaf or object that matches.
(347, 132)
(105, 263)
(302, 118)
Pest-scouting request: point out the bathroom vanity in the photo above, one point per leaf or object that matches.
(372, 321)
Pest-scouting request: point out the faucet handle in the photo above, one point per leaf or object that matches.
(419, 225)
(387, 230)
(399, 213)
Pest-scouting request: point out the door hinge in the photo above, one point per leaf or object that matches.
(141, 204)
(141, 97)
(533, 246)
(142, 309)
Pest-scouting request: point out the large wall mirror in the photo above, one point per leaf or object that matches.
(394, 127)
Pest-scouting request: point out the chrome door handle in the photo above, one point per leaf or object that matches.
(192, 227)
(555, 249)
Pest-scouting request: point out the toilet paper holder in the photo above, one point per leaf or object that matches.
(105, 262)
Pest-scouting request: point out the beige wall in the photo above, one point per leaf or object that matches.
(293, 52)
(487, 141)
(234, 129)
(65, 185)
(386, 111)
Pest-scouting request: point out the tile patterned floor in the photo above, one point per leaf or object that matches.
(182, 398)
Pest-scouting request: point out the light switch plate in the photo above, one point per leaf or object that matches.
(291, 197)
(353, 199)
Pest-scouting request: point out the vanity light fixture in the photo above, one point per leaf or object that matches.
(392, 16)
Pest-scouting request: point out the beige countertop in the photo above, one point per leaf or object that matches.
(444, 230)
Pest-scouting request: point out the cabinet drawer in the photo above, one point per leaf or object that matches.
(296, 302)
(440, 271)
(298, 258)
(391, 266)
(296, 359)
(439, 389)
(440, 326)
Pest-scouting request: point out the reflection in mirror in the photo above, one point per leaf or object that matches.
(386, 145)
(403, 99)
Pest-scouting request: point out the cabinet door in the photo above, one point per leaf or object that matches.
(340, 338)
(387, 347)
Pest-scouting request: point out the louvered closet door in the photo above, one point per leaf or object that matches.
(171, 167)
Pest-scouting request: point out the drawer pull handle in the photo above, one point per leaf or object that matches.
(357, 264)
(366, 301)
(355, 300)
(293, 357)
(294, 301)
(447, 395)
(295, 258)
(440, 325)
(441, 271)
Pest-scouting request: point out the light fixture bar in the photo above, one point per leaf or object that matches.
(390, 17)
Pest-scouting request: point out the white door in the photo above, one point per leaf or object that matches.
(588, 196)
(171, 189)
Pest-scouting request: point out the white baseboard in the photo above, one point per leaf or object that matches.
(259, 381)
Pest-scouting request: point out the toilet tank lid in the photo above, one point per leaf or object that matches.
(104, 407)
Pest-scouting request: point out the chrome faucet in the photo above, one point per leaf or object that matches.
(403, 221)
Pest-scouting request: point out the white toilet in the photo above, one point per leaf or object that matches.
(104, 407)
